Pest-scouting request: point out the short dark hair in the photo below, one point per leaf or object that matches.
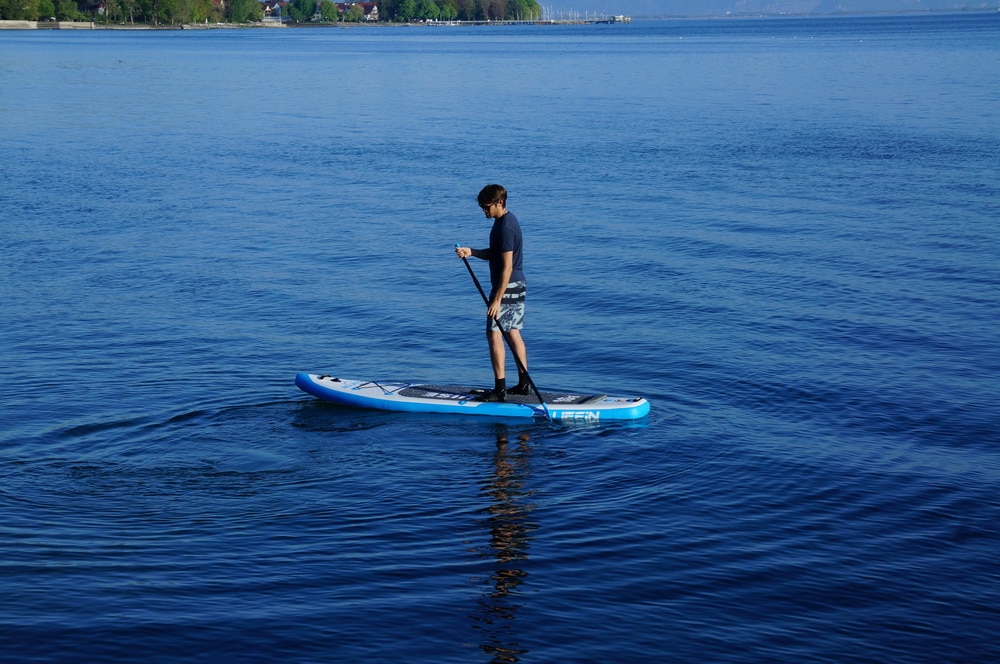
(493, 193)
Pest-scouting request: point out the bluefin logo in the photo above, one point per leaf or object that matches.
(580, 415)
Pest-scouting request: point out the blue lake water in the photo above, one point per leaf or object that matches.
(783, 232)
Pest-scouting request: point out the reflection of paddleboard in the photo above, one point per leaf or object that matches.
(424, 398)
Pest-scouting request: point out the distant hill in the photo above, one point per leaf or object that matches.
(750, 7)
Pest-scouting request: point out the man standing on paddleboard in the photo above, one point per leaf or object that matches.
(507, 293)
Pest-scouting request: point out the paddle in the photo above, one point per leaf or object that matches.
(506, 337)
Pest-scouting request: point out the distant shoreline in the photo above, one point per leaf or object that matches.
(91, 25)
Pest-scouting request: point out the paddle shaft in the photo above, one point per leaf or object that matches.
(506, 337)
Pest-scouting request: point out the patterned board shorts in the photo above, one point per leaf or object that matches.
(511, 308)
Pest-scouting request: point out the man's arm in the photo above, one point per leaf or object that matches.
(465, 252)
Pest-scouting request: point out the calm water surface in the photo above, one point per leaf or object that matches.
(784, 233)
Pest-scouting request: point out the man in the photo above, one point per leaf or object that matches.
(507, 292)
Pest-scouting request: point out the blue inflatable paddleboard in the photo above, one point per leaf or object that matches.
(459, 400)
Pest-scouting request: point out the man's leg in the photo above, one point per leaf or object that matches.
(518, 343)
(523, 385)
(497, 358)
(497, 354)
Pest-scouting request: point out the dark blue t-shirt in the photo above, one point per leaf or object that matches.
(505, 236)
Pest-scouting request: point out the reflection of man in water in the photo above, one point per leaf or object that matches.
(510, 532)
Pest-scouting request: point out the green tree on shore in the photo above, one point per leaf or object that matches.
(427, 10)
(244, 11)
(301, 11)
(447, 12)
(19, 10)
(356, 14)
(328, 10)
(66, 10)
(406, 11)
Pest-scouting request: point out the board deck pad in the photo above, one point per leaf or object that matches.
(457, 392)
(411, 397)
